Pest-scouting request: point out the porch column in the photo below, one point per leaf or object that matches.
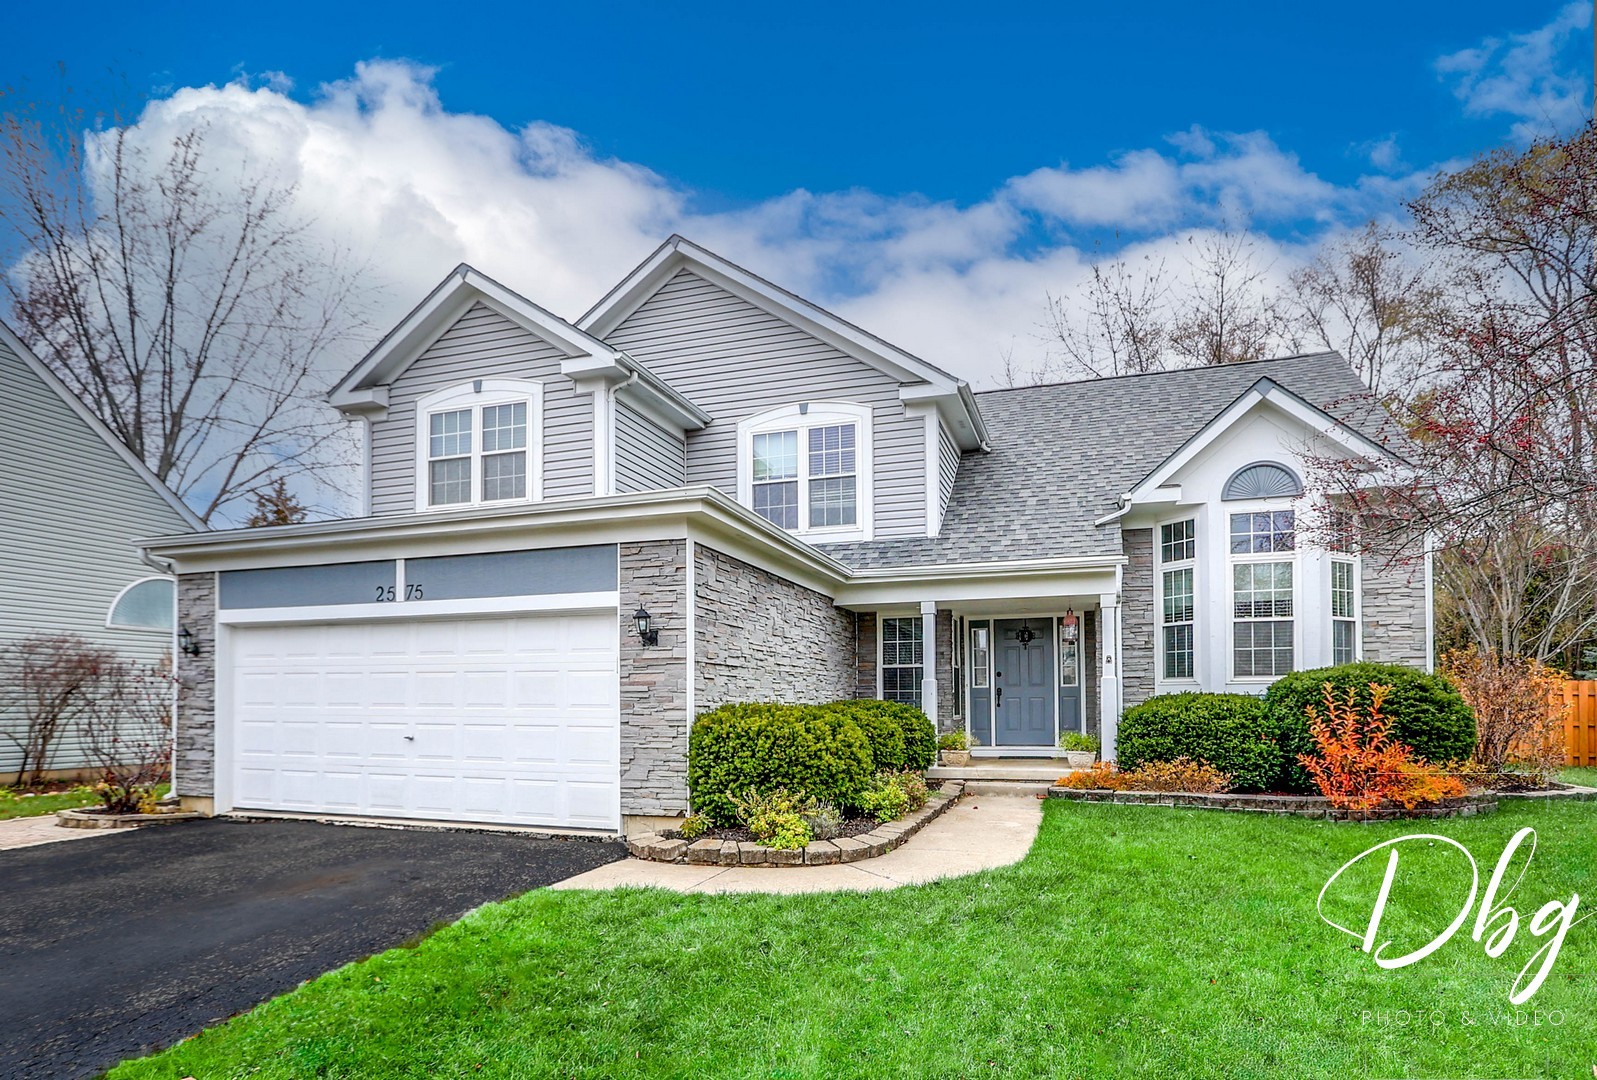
(1109, 697)
(928, 682)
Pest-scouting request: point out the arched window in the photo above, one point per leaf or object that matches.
(480, 444)
(149, 604)
(1263, 480)
(806, 468)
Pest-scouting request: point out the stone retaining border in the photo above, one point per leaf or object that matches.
(845, 849)
(1307, 806)
(83, 819)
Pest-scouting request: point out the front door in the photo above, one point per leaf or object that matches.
(1023, 683)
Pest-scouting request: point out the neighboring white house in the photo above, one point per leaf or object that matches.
(74, 499)
(796, 509)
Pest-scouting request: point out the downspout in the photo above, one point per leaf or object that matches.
(169, 568)
(610, 481)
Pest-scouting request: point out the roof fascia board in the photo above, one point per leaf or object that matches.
(1264, 391)
(657, 514)
(430, 319)
(678, 252)
(118, 447)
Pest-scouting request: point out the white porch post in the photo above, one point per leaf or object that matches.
(1109, 685)
(928, 682)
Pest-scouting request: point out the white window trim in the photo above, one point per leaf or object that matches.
(801, 417)
(1233, 560)
(110, 611)
(475, 395)
(1161, 679)
(1332, 558)
(881, 653)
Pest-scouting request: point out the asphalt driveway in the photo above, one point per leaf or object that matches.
(111, 949)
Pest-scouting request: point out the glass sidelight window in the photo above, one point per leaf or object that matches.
(980, 657)
(1178, 549)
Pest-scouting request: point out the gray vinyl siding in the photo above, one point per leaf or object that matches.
(648, 457)
(72, 508)
(483, 344)
(947, 466)
(734, 360)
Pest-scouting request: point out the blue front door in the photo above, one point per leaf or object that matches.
(1023, 683)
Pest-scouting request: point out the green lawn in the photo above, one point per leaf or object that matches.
(15, 805)
(1583, 777)
(1133, 941)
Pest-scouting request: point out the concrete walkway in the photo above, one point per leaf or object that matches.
(981, 832)
(28, 831)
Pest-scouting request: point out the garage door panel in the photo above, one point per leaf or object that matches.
(510, 719)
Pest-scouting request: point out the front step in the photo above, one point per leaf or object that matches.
(1029, 770)
(1038, 788)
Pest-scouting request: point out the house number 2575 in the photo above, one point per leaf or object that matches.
(387, 595)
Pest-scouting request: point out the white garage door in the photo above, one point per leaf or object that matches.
(507, 719)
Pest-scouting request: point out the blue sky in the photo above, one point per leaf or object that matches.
(934, 171)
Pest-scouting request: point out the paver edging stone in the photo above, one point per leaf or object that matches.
(86, 819)
(879, 841)
(1306, 806)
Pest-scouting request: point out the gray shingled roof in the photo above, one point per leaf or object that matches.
(1062, 455)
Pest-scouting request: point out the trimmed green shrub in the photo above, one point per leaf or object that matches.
(776, 818)
(901, 736)
(1428, 714)
(1231, 732)
(809, 749)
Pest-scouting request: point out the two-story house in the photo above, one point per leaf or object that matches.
(75, 498)
(579, 536)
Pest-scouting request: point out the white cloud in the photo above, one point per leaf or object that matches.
(1531, 77)
(386, 168)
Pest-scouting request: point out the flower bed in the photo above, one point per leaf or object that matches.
(878, 840)
(1309, 806)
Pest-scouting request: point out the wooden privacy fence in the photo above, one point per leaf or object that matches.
(1580, 722)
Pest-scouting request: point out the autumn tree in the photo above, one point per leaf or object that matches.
(1503, 442)
(1220, 305)
(180, 294)
(1365, 296)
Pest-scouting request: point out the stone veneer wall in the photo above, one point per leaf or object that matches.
(942, 654)
(1394, 612)
(196, 693)
(1136, 617)
(865, 653)
(654, 681)
(764, 638)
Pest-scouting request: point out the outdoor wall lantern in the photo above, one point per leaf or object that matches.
(1068, 625)
(647, 632)
(188, 642)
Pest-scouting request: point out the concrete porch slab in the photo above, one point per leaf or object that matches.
(1031, 769)
(979, 833)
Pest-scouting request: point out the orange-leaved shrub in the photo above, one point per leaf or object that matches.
(1359, 766)
(1182, 774)
(1518, 715)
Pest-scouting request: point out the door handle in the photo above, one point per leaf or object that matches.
(1000, 702)
(410, 738)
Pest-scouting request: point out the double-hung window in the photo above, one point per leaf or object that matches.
(477, 445)
(1344, 612)
(806, 469)
(1262, 593)
(903, 659)
(1178, 548)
